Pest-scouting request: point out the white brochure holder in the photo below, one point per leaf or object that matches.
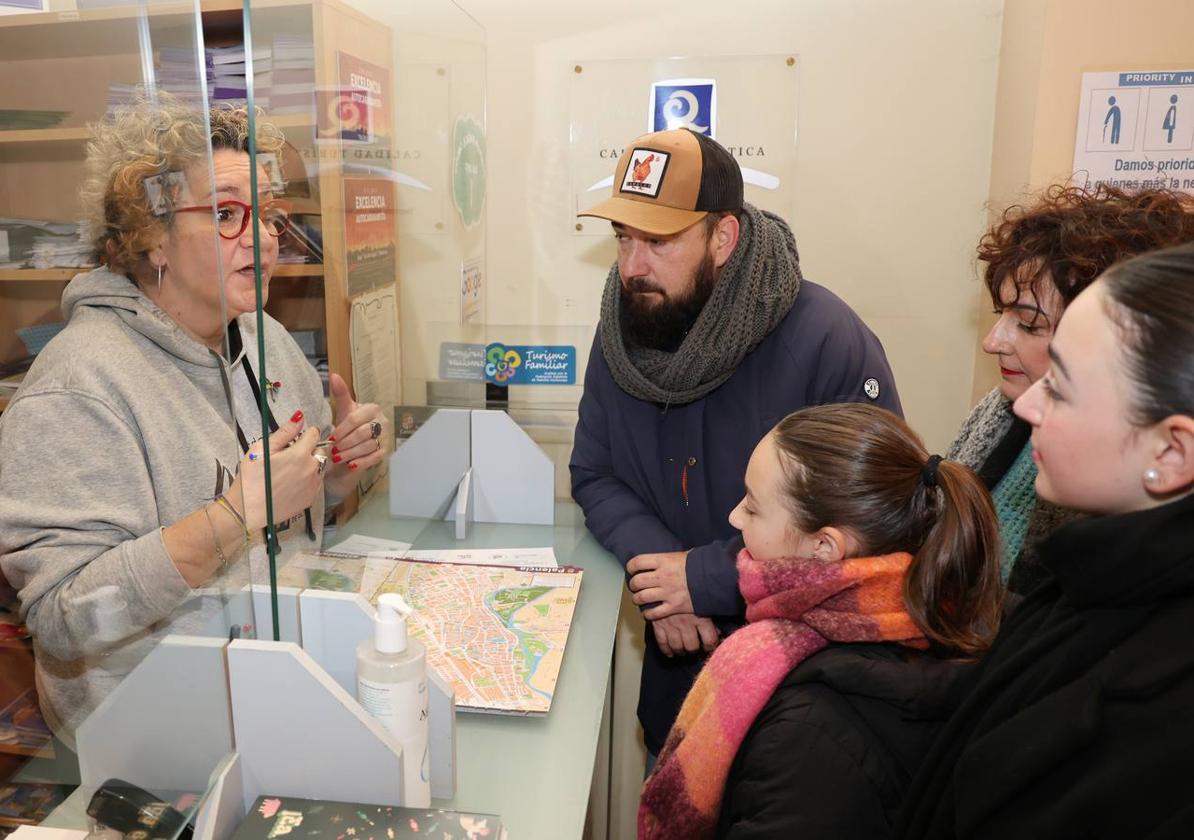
(271, 718)
(472, 465)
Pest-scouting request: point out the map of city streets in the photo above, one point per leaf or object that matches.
(496, 633)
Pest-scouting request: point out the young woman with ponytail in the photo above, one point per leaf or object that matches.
(871, 577)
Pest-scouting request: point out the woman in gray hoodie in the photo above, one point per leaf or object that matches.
(131, 468)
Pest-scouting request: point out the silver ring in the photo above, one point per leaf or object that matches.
(375, 430)
(322, 460)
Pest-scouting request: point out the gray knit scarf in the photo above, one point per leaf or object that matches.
(756, 289)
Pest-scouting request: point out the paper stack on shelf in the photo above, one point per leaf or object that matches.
(43, 244)
(60, 252)
(226, 75)
(293, 79)
(178, 72)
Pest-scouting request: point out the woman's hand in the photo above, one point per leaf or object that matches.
(295, 474)
(363, 437)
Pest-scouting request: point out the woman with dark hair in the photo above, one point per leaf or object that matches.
(868, 566)
(1038, 258)
(1078, 724)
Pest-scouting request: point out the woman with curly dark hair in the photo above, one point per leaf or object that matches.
(1038, 258)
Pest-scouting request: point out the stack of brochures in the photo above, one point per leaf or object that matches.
(180, 73)
(41, 244)
(53, 250)
(227, 79)
(293, 76)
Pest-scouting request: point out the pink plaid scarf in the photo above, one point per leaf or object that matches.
(795, 607)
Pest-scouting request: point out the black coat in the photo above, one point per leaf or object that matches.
(833, 751)
(1081, 721)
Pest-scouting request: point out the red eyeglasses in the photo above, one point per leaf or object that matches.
(233, 216)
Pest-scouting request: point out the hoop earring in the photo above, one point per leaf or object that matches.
(159, 278)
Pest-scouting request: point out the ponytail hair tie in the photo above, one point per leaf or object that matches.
(928, 473)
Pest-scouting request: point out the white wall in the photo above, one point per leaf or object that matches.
(896, 105)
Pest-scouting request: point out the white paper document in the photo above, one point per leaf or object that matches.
(533, 557)
(370, 546)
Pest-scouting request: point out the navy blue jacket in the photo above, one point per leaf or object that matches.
(629, 457)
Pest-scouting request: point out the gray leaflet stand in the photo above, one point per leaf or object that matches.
(472, 465)
(295, 726)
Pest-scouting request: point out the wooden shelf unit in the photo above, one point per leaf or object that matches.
(66, 61)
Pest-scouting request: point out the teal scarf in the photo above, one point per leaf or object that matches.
(1015, 500)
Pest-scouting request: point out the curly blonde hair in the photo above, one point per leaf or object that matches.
(141, 140)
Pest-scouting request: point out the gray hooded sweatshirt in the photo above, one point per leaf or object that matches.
(121, 427)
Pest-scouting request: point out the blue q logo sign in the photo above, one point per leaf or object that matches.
(684, 103)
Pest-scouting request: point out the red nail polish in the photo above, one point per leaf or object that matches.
(336, 458)
(353, 465)
(335, 451)
(297, 416)
(332, 438)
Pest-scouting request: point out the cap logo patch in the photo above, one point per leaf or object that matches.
(871, 388)
(644, 173)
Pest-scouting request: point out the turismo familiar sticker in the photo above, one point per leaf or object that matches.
(524, 364)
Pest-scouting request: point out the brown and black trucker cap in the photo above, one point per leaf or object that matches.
(669, 180)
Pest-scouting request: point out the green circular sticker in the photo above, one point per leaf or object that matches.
(468, 170)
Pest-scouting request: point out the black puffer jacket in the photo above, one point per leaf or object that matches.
(1079, 722)
(832, 752)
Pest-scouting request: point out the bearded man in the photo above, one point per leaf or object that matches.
(709, 336)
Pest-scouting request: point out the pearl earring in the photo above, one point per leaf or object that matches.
(1151, 476)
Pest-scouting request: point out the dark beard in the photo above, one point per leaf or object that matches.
(664, 325)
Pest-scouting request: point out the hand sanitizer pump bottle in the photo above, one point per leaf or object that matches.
(392, 686)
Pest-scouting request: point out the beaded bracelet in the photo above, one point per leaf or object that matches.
(215, 538)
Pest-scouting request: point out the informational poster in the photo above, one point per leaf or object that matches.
(370, 246)
(373, 332)
(357, 110)
(472, 291)
(373, 329)
(1136, 130)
